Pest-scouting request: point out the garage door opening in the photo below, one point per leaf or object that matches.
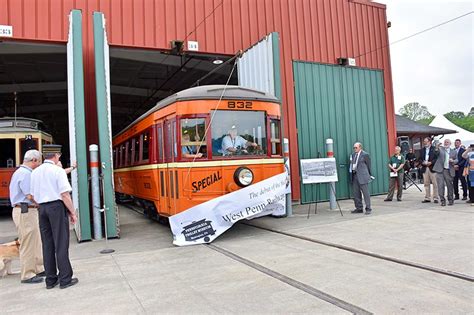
(33, 84)
(141, 78)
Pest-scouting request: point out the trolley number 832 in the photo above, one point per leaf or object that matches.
(240, 105)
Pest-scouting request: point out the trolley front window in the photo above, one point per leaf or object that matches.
(239, 133)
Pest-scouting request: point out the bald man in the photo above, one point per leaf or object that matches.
(361, 176)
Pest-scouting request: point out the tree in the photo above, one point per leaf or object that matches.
(416, 112)
(462, 120)
(454, 115)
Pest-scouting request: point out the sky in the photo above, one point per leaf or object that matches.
(434, 68)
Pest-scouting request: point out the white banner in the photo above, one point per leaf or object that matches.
(314, 171)
(205, 222)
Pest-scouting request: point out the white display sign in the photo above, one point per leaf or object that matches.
(315, 171)
(6, 31)
(351, 62)
(193, 45)
(205, 222)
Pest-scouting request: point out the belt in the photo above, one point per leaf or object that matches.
(29, 206)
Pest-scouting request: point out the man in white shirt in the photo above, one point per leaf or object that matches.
(25, 217)
(232, 143)
(50, 189)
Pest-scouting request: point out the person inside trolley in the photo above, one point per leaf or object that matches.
(235, 144)
(189, 151)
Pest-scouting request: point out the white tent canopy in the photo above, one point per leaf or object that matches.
(465, 136)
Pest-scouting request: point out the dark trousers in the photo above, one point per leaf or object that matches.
(471, 190)
(54, 228)
(358, 190)
(393, 183)
(458, 177)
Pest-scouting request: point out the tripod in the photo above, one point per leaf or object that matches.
(408, 178)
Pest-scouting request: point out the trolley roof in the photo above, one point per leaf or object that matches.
(209, 92)
(23, 124)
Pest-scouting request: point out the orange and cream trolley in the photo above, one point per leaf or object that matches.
(196, 145)
(16, 137)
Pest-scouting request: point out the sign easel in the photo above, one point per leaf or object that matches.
(319, 171)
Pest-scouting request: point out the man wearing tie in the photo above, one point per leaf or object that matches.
(444, 168)
(427, 160)
(361, 176)
(459, 168)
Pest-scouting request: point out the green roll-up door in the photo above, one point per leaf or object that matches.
(347, 105)
(77, 129)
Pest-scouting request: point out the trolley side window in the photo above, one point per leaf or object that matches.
(128, 155)
(169, 145)
(239, 133)
(275, 137)
(160, 144)
(135, 150)
(114, 156)
(145, 141)
(193, 141)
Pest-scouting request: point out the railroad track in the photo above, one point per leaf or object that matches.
(345, 305)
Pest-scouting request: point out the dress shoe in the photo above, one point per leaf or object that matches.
(387, 199)
(50, 286)
(426, 201)
(436, 201)
(367, 212)
(70, 284)
(469, 201)
(357, 211)
(35, 279)
(41, 274)
(399, 199)
(443, 203)
(456, 198)
(464, 198)
(450, 203)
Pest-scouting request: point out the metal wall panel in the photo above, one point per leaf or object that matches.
(256, 66)
(347, 105)
(319, 31)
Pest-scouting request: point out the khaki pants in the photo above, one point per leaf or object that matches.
(393, 183)
(430, 177)
(31, 254)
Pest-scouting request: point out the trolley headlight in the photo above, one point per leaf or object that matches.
(243, 176)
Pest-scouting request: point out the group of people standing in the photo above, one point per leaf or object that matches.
(42, 208)
(443, 166)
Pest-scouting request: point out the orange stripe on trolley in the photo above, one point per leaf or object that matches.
(94, 164)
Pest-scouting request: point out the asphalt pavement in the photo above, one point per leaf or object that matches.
(406, 257)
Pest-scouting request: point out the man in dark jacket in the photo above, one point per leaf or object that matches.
(361, 176)
(459, 168)
(427, 160)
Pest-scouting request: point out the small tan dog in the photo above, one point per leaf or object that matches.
(8, 251)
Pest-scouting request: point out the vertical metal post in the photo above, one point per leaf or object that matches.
(95, 187)
(286, 154)
(332, 188)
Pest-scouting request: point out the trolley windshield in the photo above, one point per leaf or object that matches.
(237, 133)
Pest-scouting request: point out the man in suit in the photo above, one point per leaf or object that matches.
(444, 168)
(427, 159)
(361, 176)
(458, 170)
